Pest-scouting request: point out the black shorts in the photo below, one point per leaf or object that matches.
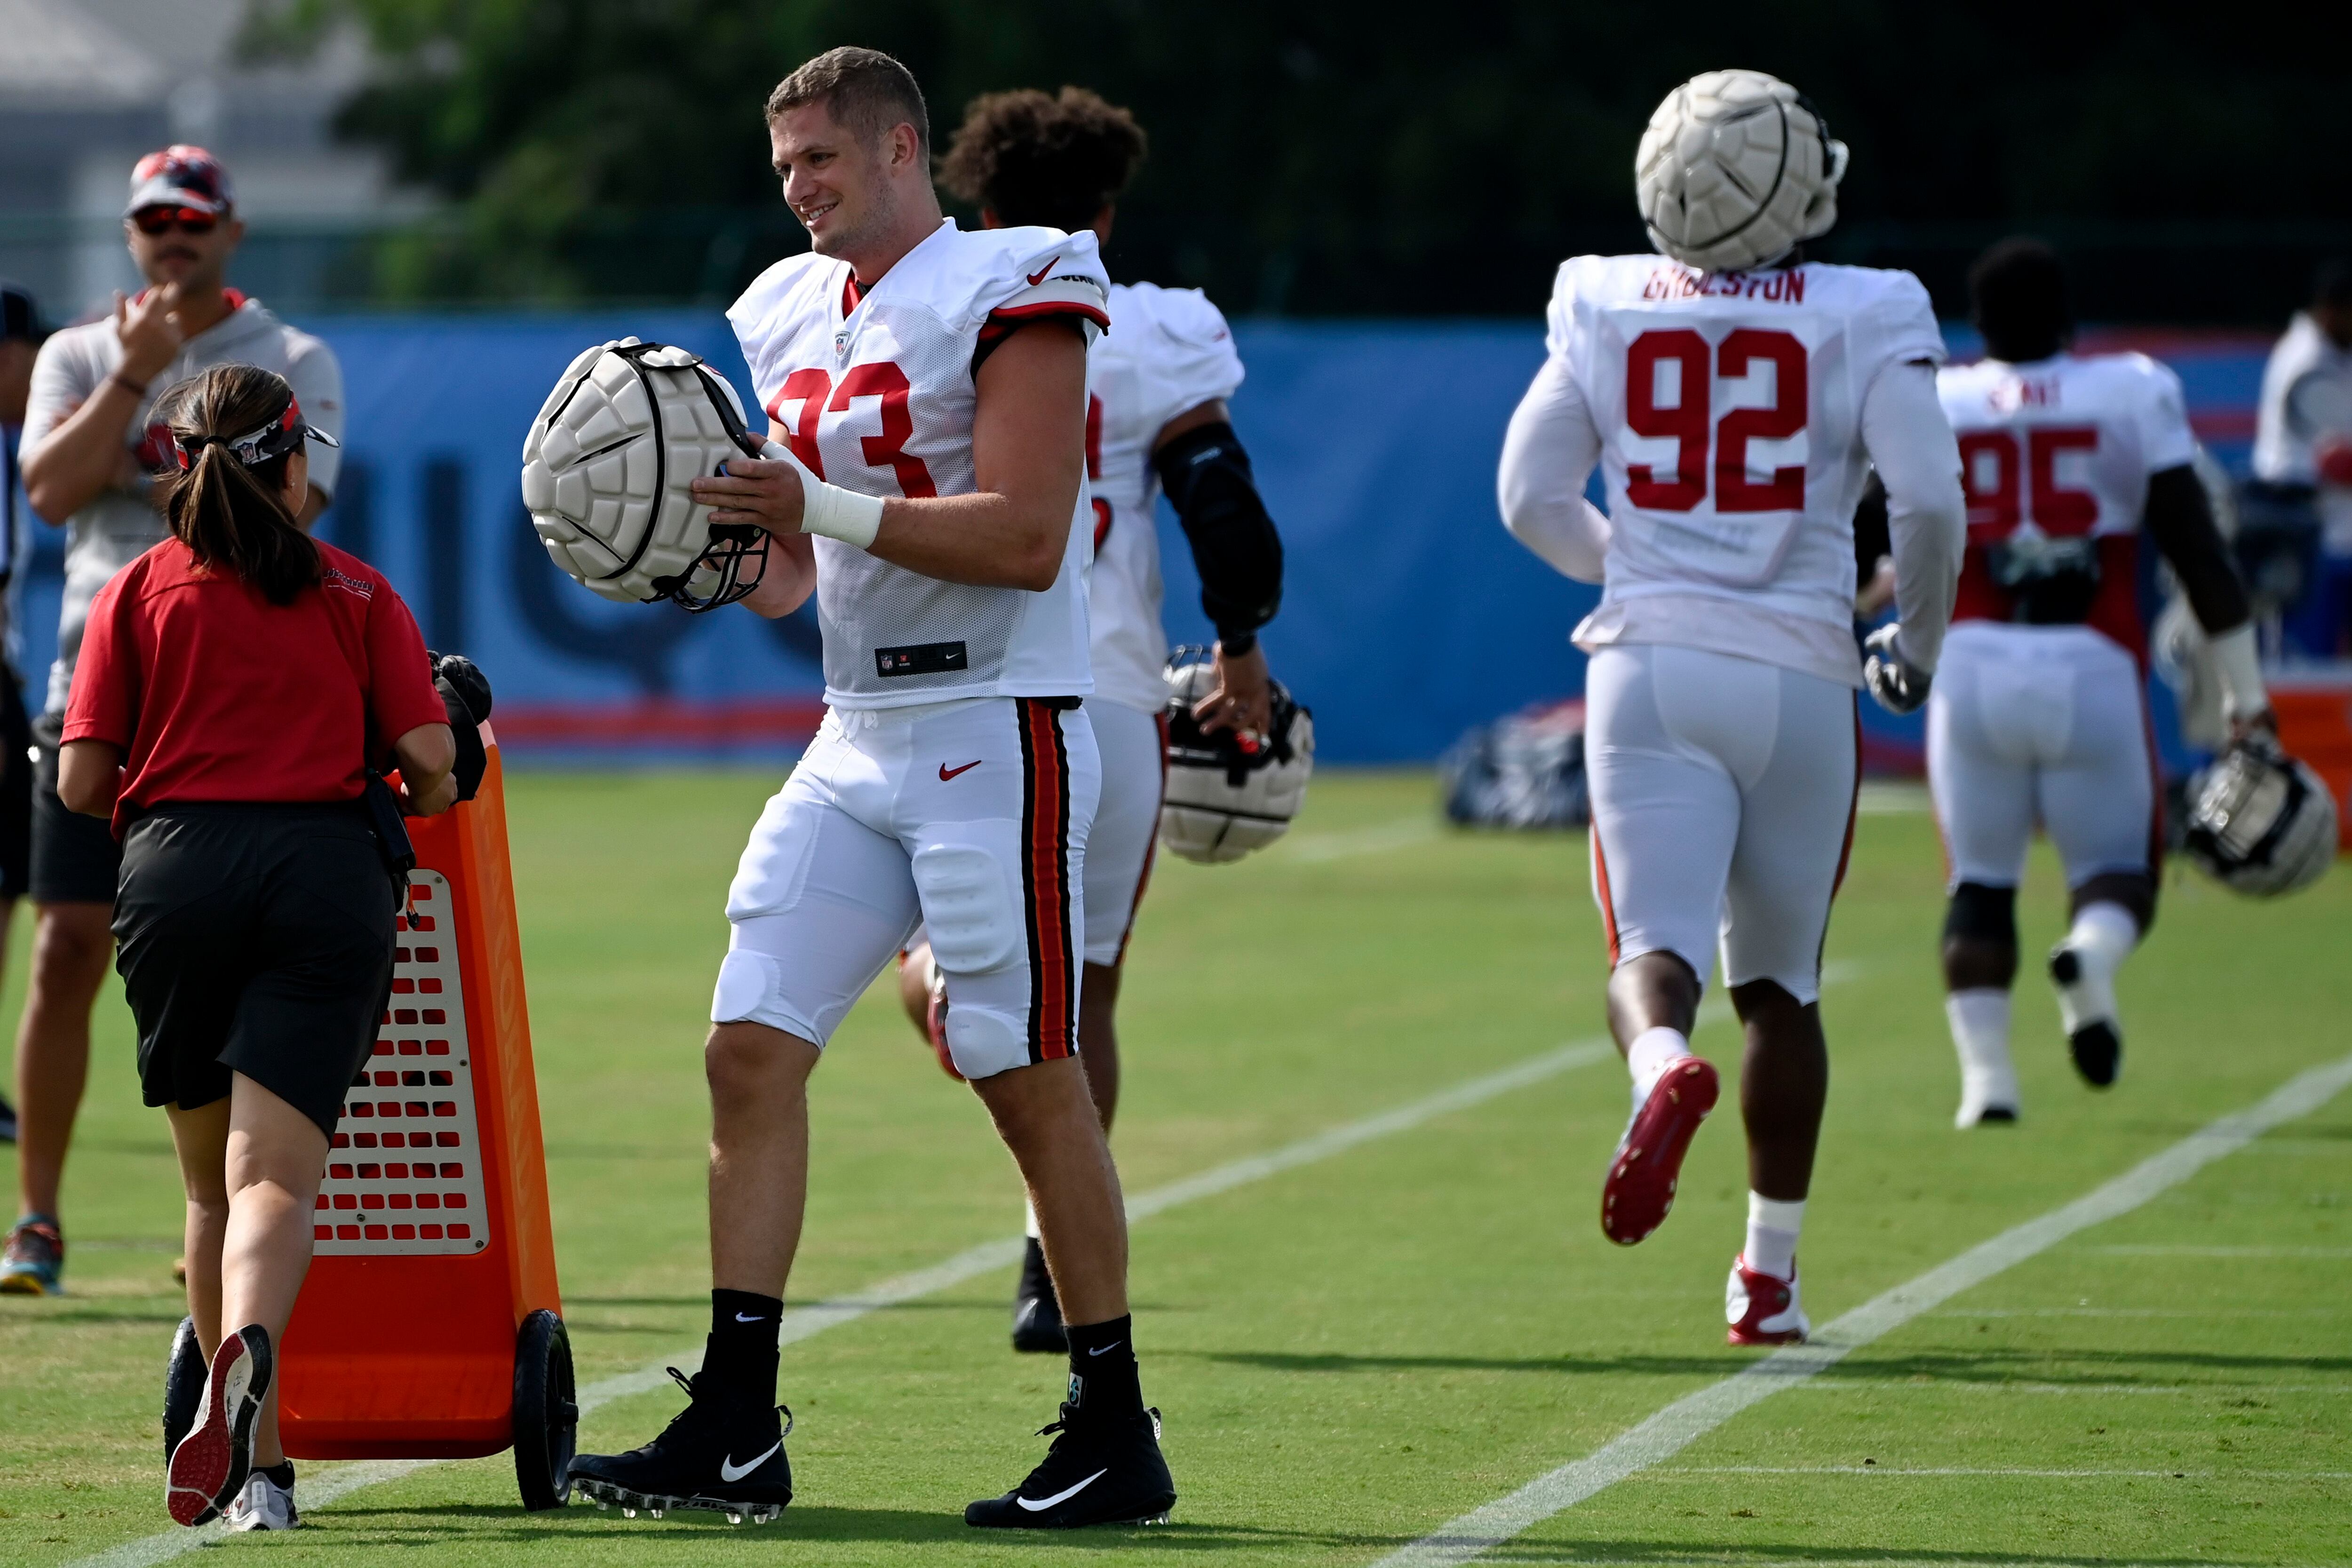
(258, 938)
(15, 789)
(75, 857)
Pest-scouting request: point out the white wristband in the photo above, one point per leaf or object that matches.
(837, 513)
(2242, 696)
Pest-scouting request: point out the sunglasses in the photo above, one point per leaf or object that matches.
(163, 220)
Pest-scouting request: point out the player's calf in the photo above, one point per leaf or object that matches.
(2107, 925)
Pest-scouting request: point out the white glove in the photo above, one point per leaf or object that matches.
(1899, 685)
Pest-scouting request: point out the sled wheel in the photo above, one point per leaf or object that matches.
(546, 1416)
(184, 1386)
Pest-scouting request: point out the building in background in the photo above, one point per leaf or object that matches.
(87, 86)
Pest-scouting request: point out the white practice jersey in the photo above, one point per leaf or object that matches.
(1730, 411)
(1168, 352)
(2307, 398)
(876, 393)
(2062, 448)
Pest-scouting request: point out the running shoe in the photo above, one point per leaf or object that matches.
(1036, 1311)
(722, 1453)
(267, 1502)
(1763, 1308)
(1103, 1468)
(1640, 1191)
(2086, 1006)
(184, 1386)
(34, 1263)
(209, 1467)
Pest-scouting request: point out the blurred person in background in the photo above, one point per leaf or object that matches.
(89, 449)
(2071, 465)
(1156, 420)
(20, 339)
(238, 683)
(2303, 438)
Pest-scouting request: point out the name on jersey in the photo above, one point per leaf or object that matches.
(1681, 283)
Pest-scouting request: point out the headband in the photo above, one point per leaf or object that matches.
(283, 434)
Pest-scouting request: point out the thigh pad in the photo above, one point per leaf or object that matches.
(970, 907)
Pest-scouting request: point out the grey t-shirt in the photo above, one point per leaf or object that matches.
(117, 527)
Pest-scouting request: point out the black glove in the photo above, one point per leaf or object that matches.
(1899, 685)
(466, 698)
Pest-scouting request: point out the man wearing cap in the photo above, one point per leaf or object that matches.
(91, 441)
(20, 339)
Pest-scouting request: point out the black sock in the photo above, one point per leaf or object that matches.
(1103, 1376)
(740, 1357)
(281, 1473)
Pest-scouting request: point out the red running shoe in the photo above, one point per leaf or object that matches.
(1640, 1190)
(209, 1466)
(1762, 1309)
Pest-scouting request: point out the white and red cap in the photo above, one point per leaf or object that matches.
(181, 177)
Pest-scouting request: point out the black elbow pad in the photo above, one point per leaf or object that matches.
(1207, 476)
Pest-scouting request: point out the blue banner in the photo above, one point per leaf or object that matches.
(1408, 613)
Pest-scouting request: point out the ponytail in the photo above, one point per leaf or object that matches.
(235, 429)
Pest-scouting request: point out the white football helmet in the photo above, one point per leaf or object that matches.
(1227, 795)
(2260, 822)
(605, 472)
(1735, 170)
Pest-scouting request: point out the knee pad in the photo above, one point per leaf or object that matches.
(984, 1041)
(970, 910)
(1981, 913)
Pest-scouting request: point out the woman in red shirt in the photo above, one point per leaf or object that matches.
(237, 683)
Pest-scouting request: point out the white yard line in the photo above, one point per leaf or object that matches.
(2056, 1474)
(2006, 1386)
(2224, 1251)
(1314, 849)
(319, 1488)
(1693, 1416)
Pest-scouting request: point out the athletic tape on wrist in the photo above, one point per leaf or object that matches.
(846, 515)
(2241, 672)
(829, 509)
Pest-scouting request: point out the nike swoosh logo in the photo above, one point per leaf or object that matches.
(1041, 1504)
(1105, 1349)
(1039, 275)
(749, 1317)
(731, 1472)
(947, 772)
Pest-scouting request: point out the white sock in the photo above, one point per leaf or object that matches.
(1772, 1227)
(2102, 937)
(1651, 1054)
(1980, 1021)
(1029, 1221)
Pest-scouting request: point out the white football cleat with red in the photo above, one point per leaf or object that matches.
(1763, 1308)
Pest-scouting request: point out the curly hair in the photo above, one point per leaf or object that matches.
(1033, 157)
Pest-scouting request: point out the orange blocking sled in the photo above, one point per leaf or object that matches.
(429, 1326)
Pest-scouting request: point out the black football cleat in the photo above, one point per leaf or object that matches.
(2087, 1006)
(1103, 1468)
(1036, 1311)
(722, 1453)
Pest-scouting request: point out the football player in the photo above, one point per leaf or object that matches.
(927, 388)
(1734, 395)
(2038, 713)
(1156, 418)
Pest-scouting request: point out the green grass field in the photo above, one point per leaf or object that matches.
(1355, 1349)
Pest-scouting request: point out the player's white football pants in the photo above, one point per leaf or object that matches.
(968, 817)
(2047, 724)
(1722, 794)
(1134, 748)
